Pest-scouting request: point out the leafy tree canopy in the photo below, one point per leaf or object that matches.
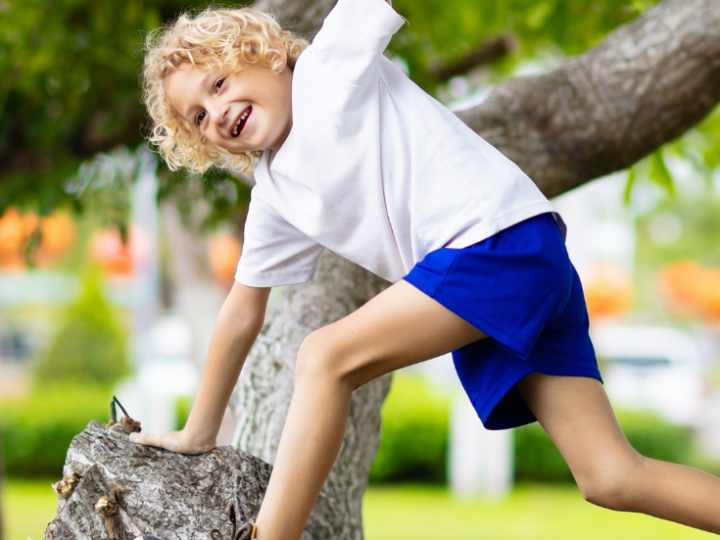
(445, 31)
(68, 88)
(69, 73)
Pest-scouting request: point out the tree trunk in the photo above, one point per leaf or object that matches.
(261, 399)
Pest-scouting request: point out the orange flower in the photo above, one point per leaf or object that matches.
(109, 252)
(608, 290)
(691, 290)
(223, 254)
(15, 229)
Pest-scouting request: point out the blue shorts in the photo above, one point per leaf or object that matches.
(520, 288)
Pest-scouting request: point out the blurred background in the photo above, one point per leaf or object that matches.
(112, 270)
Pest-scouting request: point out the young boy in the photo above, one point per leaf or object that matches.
(355, 158)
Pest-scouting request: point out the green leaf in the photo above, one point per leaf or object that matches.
(539, 15)
(629, 185)
(660, 174)
(709, 129)
(640, 6)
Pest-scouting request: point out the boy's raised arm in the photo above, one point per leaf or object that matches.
(238, 325)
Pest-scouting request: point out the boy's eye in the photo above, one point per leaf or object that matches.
(219, 83)
(199, 118)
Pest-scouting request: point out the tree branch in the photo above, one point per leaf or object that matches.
(304, 17)
(648, 83)
(486, 52)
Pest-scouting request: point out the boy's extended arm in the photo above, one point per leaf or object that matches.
(238, 324)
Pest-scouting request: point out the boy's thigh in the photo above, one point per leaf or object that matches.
(399, 327)
(577, 415)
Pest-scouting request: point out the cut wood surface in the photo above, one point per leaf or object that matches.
(159, 493)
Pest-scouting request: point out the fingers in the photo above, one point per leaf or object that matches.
(175, 442)
(149, 439)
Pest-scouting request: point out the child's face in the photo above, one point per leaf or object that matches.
(240, 112)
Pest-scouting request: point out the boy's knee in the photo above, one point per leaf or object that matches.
(326, 355)
(610, 484)
(606, 492)
(315, 356)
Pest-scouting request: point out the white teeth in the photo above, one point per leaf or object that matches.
(243, 116)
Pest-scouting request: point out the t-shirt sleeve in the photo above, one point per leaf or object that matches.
(274, 252)
(354, 35)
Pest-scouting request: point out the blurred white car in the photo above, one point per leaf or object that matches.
(654, 368)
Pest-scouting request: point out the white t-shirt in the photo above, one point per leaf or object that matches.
(373, 169)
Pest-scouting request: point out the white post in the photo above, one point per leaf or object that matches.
(146, 272)
(481, 461)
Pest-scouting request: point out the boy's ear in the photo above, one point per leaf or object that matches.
(283, 55)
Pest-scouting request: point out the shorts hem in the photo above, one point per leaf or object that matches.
(513, 418)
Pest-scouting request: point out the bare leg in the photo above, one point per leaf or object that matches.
(578, 417)
(399, 327)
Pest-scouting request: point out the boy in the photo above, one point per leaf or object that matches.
(355, 158)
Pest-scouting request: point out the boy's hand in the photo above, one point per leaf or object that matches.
(236, 328)
(176, 441)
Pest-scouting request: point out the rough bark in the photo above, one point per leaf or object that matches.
(646, 84)
(303, 17)
(77, 517)
(486, 52)
(156, 492)
(262, 397)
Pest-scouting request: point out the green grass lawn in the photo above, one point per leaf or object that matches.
(530, 513)
(28, 506)
(424, 513)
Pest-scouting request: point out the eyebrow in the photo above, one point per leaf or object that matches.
(203, 84)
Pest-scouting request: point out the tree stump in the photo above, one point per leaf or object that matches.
(150, 491)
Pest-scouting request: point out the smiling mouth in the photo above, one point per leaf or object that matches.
(241, 122)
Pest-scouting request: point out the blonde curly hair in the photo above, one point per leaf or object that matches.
(212, 39)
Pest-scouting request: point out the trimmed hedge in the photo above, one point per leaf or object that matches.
(35, 433)
(90, 346)
(414, 434)
(415, 437)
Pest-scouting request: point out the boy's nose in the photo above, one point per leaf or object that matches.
(218, 114)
